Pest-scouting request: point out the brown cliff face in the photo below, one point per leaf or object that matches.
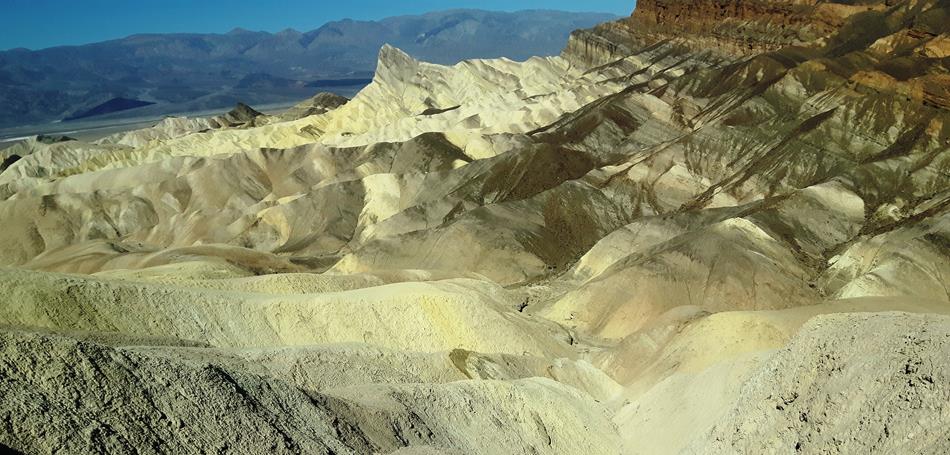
(886, 46)
(743, 27)
(729, 28)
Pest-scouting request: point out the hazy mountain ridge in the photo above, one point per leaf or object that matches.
(200, 71)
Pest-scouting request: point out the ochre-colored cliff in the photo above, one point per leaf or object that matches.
(726, 27)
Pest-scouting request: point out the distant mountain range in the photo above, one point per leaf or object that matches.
(163, 73)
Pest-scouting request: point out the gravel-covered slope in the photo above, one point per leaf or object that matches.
(702, 235)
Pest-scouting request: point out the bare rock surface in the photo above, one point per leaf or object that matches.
(158, 404)
(712, 227)
(869, 383)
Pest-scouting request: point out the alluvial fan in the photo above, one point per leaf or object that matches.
(711, 227)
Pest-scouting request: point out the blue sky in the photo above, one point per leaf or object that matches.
(36, 24)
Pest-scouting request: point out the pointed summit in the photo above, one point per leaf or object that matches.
(390, 55)
(394, 64)
(242, 113)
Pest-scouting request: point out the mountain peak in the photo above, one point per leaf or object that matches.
(389, 53)
(394, 63)
(243, 113)
(346, 49)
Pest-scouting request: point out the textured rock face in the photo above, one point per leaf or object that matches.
(736, 28)
(744, 27)
(830, 390)
(676, 238)
(114, 400)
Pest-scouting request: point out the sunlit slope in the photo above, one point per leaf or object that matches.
(669, 239)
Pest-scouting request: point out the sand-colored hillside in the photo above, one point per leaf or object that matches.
(681, 239)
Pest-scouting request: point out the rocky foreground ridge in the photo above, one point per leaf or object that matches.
(712, 227)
